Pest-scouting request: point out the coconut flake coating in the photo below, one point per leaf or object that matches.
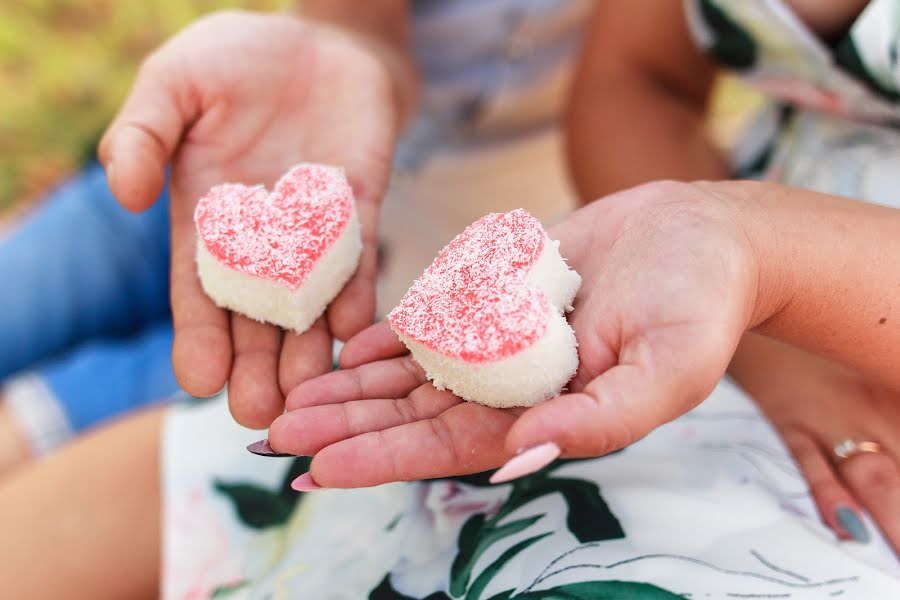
(278, 236)
(473, 302)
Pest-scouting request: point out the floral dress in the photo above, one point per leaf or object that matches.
(832, 123)
(710, 506)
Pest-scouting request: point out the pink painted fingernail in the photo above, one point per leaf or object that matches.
(305, 483)
(262, 448)
(526, 463)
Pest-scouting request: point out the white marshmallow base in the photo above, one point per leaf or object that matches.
(530, 376)
(268, 301)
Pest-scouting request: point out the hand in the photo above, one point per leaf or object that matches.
(241, 97)
(669, 286)
(815, 403)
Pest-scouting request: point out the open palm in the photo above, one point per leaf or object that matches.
(666, 278)
(241, 97)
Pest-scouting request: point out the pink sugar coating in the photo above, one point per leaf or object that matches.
(278, 236)
(473, 303)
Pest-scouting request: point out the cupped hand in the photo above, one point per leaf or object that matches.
(241, 97)
(669, 286)
(815, 404)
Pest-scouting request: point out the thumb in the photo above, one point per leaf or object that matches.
(144, 135)
(622, 405)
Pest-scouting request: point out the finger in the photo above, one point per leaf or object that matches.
(594, 353)
(201, 351)
(306, 431)
(875, 481)
(254, 397)
(144, 135)
(304, 356)
(394, 378)
(831, 497)
(467, 438)
(377, 342)
(354, 308)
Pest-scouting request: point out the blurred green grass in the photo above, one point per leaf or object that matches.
(65, 66)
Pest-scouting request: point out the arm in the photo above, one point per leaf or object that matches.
(637, 107)
(829, 274)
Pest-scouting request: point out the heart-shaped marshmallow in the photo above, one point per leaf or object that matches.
(486, 319)
(280, 257)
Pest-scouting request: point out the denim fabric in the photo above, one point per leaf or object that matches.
(86, 301)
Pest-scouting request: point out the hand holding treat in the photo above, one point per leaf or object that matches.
(673, 275)
(654, 334)
(240, 97)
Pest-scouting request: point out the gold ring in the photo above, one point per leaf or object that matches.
(848, 448)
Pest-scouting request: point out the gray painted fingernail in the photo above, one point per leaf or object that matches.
(852, 524)
(262, 448)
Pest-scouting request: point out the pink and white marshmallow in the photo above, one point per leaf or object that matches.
(487, 319)
(279, 257)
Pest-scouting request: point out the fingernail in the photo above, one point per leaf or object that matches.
(305, 483)
(262, 448)
(526, 463)
(852, 524)
(110, 169)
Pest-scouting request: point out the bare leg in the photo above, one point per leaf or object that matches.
(14, 449)
(85, 523)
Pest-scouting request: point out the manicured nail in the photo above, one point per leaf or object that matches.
(305, 483)
(526, 463)
(852, 524)
(262, 448)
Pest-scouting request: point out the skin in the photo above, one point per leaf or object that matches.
(110, 507)
(638, 113)
(196, 104)
(641, 89)
(14, 447)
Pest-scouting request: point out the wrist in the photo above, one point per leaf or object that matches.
(768, 260)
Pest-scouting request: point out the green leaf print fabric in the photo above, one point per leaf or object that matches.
(258, 507)
(601, 590)
(731, 46)
(766, 43)
(708, 506)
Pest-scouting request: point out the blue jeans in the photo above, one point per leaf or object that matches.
(86, 307)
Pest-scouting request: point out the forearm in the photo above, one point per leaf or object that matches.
(829, 275)
(624, 129)
(637, 110)
(383, 26)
